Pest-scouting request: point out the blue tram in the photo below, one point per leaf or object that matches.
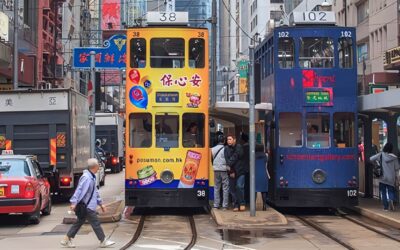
(309, 75)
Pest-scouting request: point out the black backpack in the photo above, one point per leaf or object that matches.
(378, 168)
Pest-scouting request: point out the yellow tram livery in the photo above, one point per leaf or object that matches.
(167, 144)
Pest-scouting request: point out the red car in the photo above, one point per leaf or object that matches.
(23, 187)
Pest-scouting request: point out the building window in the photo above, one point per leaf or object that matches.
(345, 52)
(290, 132)
(362, 52)
(276, 15)
(362, 11)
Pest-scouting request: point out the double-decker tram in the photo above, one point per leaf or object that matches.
(309, 75)
(167, 149)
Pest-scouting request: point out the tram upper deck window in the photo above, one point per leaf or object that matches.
(167, 53)
(196, 53)
(167, 130)
(343, 125)
(290, 132)
(345, 52)
(193, 133)
(286, 53)
(140, 130)
(318, 130)
(316, 52)
(138, 53)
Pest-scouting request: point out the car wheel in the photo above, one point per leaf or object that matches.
(47, 209)
(34, 218)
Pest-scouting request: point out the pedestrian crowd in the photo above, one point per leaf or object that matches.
(230, 161)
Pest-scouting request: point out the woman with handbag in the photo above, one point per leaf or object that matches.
(387, 182)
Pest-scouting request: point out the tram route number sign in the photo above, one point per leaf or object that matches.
(167, 18)
(314, 17)
(167, 97)
(318, 97)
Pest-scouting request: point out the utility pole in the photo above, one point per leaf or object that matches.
(93, 104)
(15, 54)
(252, 136)
(214, 53)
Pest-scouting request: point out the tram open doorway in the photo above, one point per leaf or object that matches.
(378, 124)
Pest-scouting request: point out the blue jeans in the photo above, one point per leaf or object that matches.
(386, 190)
(240, 180)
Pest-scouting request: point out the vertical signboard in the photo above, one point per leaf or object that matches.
(243, 66)
(111, 14)
(4, 26)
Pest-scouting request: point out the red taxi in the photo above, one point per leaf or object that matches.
(23, 187)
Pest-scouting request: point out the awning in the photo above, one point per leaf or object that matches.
(237, 111)
(381, 102)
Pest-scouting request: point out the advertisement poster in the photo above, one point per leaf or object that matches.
(111, 14)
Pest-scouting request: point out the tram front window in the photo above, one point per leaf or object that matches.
(140, 130)
(316, 52)
(346, 52)
(318, 130)
(343, 125)
(167, 130)
(167, 53)
(290, 134)
(286, 53)
(138, 53)
(193, 133)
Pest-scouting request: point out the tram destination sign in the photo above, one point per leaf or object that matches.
(167, 97)
(315, 97)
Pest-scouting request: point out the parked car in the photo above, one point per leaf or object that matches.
(23, 187)
(101, 174)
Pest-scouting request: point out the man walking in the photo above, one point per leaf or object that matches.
(234, 158)
(87, 193)
(220, 174)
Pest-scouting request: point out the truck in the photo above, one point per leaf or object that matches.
(110, 134)
(53, 125)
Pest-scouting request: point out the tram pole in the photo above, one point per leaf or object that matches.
(252, 137)
(214, 53)
(15, 54)
(93, 104)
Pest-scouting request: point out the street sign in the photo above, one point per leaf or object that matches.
(111, 56)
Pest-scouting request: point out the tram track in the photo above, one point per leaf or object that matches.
(337, 236)
(140, 229)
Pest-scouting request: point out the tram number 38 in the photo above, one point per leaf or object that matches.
(201, 193)
(351, 193)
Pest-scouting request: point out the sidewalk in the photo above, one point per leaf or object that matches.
(373, 209)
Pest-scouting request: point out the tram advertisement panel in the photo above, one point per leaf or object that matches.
(167, 108)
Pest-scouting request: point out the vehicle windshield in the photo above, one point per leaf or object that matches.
(14, 168)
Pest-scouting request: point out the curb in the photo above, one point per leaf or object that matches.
(115, 217)
(376, 217)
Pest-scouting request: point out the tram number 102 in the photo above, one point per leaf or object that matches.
(352, 193)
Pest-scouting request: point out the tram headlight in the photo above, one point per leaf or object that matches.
(167, 176)
(319, 176)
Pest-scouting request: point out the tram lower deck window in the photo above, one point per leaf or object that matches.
(167, 130)
(193, 133)
(167, 53)
(343, 124)
(318, 130)
(140, 125)
(290, 132)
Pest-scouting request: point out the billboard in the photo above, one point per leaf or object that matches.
(111, 14)
(243, 69)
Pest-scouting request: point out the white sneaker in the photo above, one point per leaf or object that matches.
(67, 243)
(106, 243)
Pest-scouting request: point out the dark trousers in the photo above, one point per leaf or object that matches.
(386, 190)
(232, 190)
(240, 181)
(91, 216)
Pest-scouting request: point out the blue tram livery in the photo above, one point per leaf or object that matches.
(309, 75)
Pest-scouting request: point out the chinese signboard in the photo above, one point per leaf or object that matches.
(378, 89)
(318, 97)
(243, 67)
(113, 55)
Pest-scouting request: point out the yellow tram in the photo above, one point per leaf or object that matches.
(167, 134)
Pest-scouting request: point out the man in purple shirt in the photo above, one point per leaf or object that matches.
(87, 186)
